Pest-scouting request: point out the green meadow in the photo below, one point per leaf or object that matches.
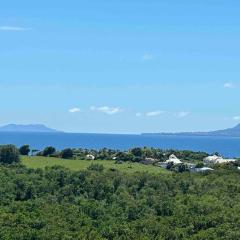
(76, 165)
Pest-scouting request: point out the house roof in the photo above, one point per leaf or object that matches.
(172, 156)
(173, 159)
(217, 159)
(212, 158)
(205, 169)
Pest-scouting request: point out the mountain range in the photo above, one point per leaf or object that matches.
(229, 132)
(31, 128)
(40, 128)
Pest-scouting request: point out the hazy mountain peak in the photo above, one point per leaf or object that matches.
(237, 127)
(27, 128)
(229, 132)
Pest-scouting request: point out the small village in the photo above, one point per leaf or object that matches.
(174, 161)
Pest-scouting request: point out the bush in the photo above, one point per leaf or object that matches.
(9, 154)
(24, 150)
(200, 165)
(48, 151)
(96, 167)
(67, 153)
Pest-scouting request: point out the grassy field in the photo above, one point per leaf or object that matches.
(42, 162)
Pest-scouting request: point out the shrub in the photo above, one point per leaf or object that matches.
(200, 165)
(9, 154)
(96, 167)
(48, 151)
(67, 153)
(24, 150)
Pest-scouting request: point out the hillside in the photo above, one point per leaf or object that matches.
(229, 132)
(34, 128)
(98, 204)
(77, 165)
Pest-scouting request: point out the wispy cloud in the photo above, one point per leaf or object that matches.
(74, 110)
(147, 57)
(228, 85)
(182, 114)
(107, 110)
(154, 113)
(236, 118)
(13, 28)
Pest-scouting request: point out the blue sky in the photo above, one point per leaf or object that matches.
(120, 66)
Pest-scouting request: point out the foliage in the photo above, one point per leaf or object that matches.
(96, 167)
(48, 151)
(126, 167)
(24, 150)
(9, 154)
(131, 155)
(67, 153)
(57, 203)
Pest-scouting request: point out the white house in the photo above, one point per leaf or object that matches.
(172, 159)
(90, 157)
(203, 169)
(216, 160)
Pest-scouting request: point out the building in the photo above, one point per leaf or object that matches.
(148, 161)
(216, 160)
(204, 169)
(171, 160)
(191, 167)
(90, 157)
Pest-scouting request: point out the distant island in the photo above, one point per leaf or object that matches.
(229, 132)
(31, 128)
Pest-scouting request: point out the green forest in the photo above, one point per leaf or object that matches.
(98, 203)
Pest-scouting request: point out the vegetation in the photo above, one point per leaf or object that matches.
(132, 155)
(9, 154)
(56, 203)
(103, 199)
(76, 165)
(24, 150)
(48, 151)
(67, 153)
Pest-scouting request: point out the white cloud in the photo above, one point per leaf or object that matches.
(182, 114)
(107, 110)
(236, 118)
(154, 113)
(74, 110)
(13, 28)
(147, 57)
(228, 85)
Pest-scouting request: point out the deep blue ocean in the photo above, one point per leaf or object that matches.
(228, 147)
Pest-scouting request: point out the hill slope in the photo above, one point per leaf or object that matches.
(229, 132)
(42, 162)
(27, 128)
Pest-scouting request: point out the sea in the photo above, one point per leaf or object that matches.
(226, 146)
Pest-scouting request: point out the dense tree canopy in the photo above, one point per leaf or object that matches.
(101, 204)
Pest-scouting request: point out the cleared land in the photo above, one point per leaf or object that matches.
(42, 162)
